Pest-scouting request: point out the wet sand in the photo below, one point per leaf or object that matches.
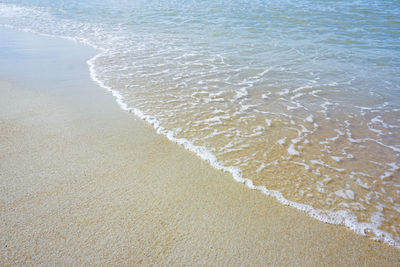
(85, 183)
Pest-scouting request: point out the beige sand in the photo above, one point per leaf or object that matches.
(82, 182)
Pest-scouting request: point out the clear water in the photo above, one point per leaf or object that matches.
(298, 99)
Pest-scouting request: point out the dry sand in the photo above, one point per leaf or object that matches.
(82, 182)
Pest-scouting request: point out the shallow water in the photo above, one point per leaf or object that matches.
(303, 97)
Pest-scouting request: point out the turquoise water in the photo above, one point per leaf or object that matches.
(297, 99)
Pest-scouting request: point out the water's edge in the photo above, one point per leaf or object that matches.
(337, 218)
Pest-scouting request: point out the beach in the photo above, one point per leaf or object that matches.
(83, 182)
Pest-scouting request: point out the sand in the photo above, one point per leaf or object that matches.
(84, 183)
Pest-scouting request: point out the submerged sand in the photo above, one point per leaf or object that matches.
(82, 182)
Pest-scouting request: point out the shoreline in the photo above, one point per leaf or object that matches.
(340, 218)
(186, 206)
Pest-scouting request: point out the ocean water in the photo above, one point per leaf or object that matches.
(297, 99)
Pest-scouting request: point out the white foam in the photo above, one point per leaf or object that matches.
(315, 92)
(292, 150)
(282, 141)
(394, 166)
(337, 159)
(296, 96)
(262, 166)
(321, 163)
(265, 96)
(377, 219)
(386, 175)
(296, 140)
(321, 187)
(310, 119)
(327, 179)
(283, 92)
(241, 93)
(345, 193)
(364, 185)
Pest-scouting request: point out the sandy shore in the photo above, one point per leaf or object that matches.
(82, 182)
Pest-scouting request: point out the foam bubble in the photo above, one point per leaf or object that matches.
(282, 141)
(345, 193)
(292, 150)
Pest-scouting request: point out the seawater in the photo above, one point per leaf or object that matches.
(297, 99)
